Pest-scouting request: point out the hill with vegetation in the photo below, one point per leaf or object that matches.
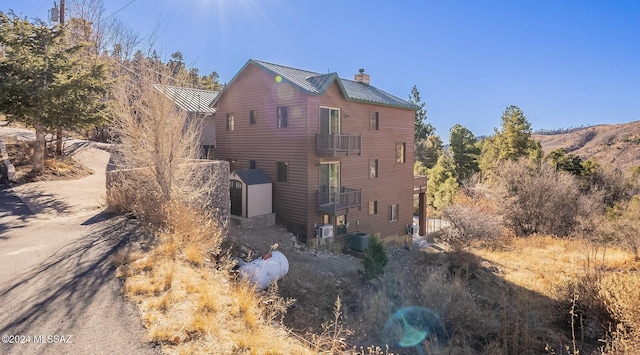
(616, 145)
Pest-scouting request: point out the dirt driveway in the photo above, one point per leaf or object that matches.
(58, 293)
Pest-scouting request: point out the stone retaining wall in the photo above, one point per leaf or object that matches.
(7, 170)
(217, 179)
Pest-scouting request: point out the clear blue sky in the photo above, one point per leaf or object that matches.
(564, 63)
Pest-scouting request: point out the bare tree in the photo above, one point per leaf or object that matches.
(472, 220)
(156, 139)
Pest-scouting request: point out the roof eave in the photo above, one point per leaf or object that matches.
(412, 108)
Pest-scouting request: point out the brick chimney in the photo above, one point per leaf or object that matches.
(362, 77)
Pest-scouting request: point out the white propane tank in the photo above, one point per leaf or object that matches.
(265, 270)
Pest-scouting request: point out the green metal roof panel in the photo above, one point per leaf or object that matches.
(295, 76)
(190, 100)
(316, 83)
(364, 92)
(322, 82)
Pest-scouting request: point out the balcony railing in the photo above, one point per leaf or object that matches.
(333, 202)
(419, 184)
(334, 144)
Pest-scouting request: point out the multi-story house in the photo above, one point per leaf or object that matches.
(339, 152)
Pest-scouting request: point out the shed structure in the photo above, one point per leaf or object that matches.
(251, 193)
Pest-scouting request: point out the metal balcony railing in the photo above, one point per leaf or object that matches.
(333, 202)
(334, 144)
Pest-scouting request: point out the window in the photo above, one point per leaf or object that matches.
(282, 171)
(373, 168)
(400, 152)
(230, 122)
(282, 117)
(394, 211)
(374, 123)
(252, 164)
(252, 117)
(373, 207)
(329, 120)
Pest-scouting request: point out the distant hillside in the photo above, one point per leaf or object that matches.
(614, 145)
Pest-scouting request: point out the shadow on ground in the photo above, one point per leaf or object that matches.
(68, 281)
(11, 206)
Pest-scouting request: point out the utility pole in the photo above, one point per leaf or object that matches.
(59, 129)
(61, 12)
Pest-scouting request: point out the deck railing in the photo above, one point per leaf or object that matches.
(333, 202)
(419, 184)
(334, 144)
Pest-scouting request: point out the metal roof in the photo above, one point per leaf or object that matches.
(190, 100)
(316, 83)
(253, 176)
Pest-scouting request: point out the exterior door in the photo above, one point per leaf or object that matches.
(330, 178)
(235, 189)
(329, 121)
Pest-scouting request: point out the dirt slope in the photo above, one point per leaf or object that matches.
(613, 145)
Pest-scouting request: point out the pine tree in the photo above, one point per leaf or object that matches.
(442, 183)
(512, 142)
(47, 83)
(462, 145)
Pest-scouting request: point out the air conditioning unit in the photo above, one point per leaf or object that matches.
(325, 231)
(413, 229)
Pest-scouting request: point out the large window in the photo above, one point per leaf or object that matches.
(230, 122)
(282, 171)
(252, 117)
(329, 120)
(373, 168)
(394, 211)
(373, 207)
(282, 117)
(401, 152)
(374, 121)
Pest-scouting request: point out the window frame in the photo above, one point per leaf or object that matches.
(231, 121)
(374, 173)
(401, 147)
(282, 166)
(374, 117)
(394, 212)
(373, 205)
(252, 164)
(253, 116)
(282, 117)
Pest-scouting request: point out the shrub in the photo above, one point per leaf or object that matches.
(375, 259)
(471, 220)
(540, 199)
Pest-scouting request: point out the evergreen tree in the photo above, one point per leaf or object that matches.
(512, 142)
(465, 153)
(442, 183)
(45, 82)
(429, 150)
(422, 129)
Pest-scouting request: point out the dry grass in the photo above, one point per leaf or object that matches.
(189, 306)
(543, 264)
(55, 167)
(595, 289)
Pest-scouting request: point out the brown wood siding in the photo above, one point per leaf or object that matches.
(256, 89)
(394, 183)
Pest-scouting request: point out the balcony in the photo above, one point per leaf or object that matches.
(335, 144)
(419, 184)
(337, 203)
